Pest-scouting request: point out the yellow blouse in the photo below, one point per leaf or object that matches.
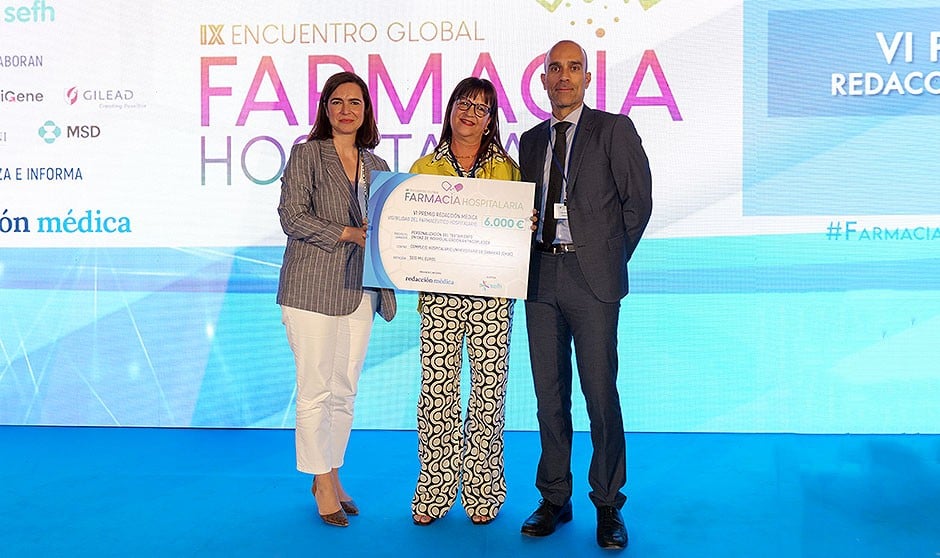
(494, 165)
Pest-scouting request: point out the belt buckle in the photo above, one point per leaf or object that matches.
(556, 249)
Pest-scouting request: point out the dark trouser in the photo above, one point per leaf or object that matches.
(566, 309)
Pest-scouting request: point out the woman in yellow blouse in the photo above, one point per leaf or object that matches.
(464, 453)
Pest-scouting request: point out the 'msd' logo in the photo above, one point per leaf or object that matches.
(448, 187)
(50, 132)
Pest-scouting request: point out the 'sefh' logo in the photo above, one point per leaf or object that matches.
(488, 284)
(448, 187)
(49, 132)
(211, 34)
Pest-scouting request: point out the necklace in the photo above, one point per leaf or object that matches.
(470, 156)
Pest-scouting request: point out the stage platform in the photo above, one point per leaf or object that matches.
(76, 492)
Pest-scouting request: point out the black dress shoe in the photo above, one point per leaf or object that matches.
(546, 518)
(611, 532)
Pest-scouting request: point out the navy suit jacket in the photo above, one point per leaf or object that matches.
(609, 197)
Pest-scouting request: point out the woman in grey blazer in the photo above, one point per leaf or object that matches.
(327, 312)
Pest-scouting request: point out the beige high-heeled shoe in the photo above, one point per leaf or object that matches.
(349, 506)
(337, 518)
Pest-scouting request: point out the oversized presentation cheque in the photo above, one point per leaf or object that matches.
(449, 234)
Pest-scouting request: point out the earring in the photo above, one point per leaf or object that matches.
(487, 130)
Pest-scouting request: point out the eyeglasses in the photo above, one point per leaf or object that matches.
(479, 109)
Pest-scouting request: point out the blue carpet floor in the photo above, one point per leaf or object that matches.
(188, 492)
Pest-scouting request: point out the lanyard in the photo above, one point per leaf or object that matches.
(358, 187)
(358, 166)
(469, 173)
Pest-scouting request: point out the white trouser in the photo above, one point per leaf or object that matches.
(329, 352)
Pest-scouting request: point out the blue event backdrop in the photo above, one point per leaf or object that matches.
(789, 281)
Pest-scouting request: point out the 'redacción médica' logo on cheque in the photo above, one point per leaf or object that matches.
(429, 280)
(450, 195)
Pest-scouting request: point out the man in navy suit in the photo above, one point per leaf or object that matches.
(594, 195)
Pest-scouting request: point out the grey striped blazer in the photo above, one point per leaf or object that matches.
(319, 273)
